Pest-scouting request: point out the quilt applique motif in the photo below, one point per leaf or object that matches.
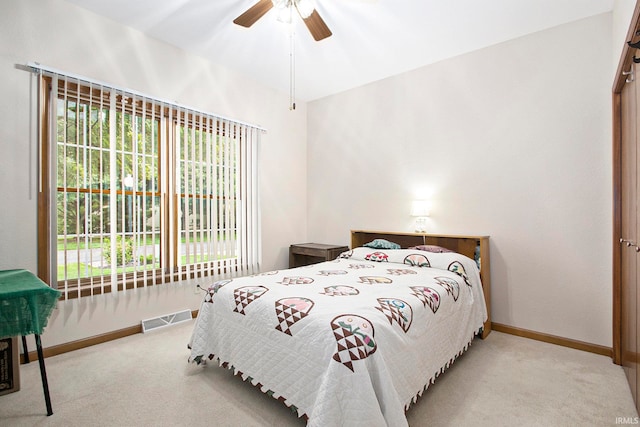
(266, 273)
(397, 311)
(417, 260)
(400, 271)
(299, 280)
(346, 254)
(377, 256)
(331, 272)
(213, 289)
(340, 291)
(429, 296)
(291, 310)
(458, 268)
(246, 295)
(450, 285)
(360, 266)
(374, 279)
(354, 337)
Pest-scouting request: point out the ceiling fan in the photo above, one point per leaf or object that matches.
(316, 25)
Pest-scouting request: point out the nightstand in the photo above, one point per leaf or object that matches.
(312, 253)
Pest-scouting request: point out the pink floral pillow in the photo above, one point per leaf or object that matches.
(431, 248)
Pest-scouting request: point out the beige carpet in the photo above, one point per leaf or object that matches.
(145, 380)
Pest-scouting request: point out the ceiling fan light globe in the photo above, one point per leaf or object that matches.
(280, 4)
(305, 7)
(284, 15)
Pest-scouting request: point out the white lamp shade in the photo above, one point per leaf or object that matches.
(420, 208)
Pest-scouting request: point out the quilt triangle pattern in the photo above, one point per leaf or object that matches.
(397, 311)
(354, 339)
(246, 295)
(428, 296)
(290, 311)
(450, 285)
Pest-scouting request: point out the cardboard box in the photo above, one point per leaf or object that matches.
(9, 365)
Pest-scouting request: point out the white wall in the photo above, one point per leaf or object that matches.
(512, 141)
(68, 38)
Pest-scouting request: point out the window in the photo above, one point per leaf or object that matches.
(136, 191)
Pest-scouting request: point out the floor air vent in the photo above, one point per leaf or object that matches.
(166, 320)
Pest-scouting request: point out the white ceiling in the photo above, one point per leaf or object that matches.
(372, 39)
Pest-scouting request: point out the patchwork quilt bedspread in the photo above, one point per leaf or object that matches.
(352, 341)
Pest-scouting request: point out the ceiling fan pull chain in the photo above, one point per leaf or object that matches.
(292, 70)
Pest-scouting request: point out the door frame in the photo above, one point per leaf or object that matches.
(626, 59)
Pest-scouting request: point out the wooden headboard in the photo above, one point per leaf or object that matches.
(465, 245)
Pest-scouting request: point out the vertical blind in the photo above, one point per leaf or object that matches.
(143, 191)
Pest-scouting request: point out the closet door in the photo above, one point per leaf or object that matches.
(634, 329)
(629, 256)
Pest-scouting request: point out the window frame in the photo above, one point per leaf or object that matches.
(168, 122)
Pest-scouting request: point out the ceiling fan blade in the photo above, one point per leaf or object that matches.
(317, 26)
(254, 13)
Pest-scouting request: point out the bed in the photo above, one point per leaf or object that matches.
(353, 341)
